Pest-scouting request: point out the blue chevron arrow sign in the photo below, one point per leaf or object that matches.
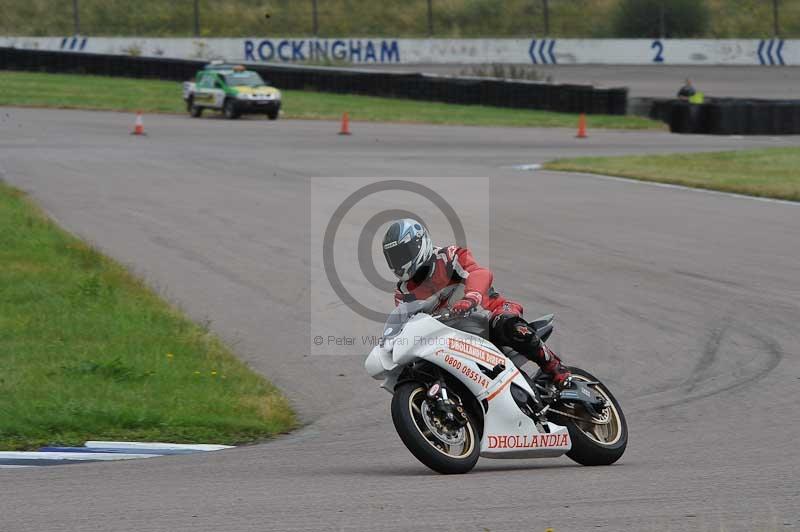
(67, 44)
(768, 57)
(544, 54)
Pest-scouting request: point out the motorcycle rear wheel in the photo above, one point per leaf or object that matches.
(433, 445)
(596, 444)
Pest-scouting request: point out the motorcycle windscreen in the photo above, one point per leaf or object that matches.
(401, 314)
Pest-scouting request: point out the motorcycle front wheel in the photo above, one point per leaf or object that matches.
(430, 439)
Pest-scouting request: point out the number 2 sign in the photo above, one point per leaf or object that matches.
(658, 46)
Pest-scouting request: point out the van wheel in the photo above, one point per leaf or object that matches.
(229, 110)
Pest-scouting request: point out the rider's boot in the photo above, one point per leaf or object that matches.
(551, 365)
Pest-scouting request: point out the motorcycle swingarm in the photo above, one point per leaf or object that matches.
(580, 392)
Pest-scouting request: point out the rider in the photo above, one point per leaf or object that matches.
(461, 284)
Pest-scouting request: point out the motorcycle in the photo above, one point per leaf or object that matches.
(456, 396)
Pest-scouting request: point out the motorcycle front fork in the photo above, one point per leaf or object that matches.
(450, 411)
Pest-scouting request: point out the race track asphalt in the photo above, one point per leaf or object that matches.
(685, 303)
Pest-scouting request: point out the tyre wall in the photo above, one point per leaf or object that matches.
(517, 94)
(730, 116)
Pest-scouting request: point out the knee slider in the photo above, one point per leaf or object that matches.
(512, 328)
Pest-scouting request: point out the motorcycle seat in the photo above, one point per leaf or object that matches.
(543, 326)
(540, 323)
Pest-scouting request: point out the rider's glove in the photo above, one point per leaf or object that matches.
(470, 301)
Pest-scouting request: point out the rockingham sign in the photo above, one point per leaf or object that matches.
(300, 50)
(387, 51)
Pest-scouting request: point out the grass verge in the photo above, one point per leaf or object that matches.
(121, 94)
(88, 352)
(451, 19)
(769, 173)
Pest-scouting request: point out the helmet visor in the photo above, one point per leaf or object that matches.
(401, 254)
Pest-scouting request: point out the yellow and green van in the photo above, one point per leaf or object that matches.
(232, 89)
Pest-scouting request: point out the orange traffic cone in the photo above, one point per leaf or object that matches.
(138, 128)
(581, 127)
(345, 125)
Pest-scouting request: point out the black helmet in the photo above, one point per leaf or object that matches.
(407, 247)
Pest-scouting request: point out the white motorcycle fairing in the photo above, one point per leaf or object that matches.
(507, 431)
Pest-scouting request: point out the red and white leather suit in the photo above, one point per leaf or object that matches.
(461, 283)
(456, 276)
